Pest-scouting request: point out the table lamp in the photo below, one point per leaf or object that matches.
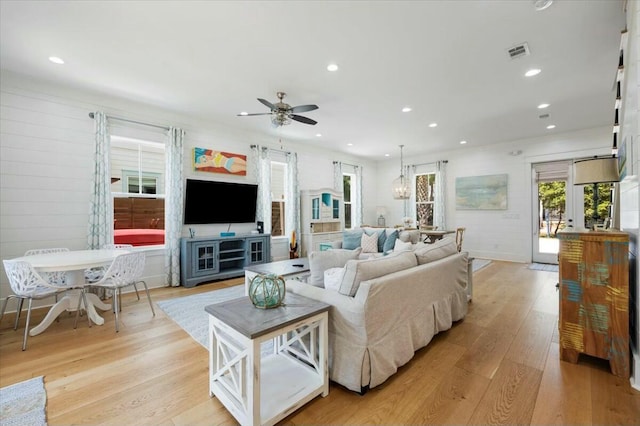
(381, 211)
(594, 171)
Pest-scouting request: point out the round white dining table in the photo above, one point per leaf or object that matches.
(74, 263)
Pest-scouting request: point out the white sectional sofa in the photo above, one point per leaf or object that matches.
(386, 308)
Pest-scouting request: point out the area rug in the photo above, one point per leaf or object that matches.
(479, 264)
(544, 267)
(189, 313)
(23, 403)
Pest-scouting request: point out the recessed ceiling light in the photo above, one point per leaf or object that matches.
(551, 126)
(406, 109)
(244, 113)
(532, 72)
(349, 144)
(56, 60)
(433, 125)
(543, 106)
(386, 155)
(332, 67)
(318, 135)
(463, 142)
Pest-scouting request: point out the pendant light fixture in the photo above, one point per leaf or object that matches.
(401, 186)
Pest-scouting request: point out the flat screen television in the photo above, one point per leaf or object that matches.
(209, 201)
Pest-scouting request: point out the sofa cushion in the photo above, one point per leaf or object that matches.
(369, 243)
(357, 271)
(351, 239)
(409, 235)
(390, 242)
(438, 250)
(320, 261)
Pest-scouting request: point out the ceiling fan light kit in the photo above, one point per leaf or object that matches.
(283, 114)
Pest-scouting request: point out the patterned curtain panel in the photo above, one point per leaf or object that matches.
(358, 213)
(337, 176)
(262, 172)
(410, 204)
(440, 213)
(173, 202)
(292, 214)
(100, 230)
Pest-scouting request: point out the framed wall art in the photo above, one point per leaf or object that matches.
(209, 160)
(481, 192)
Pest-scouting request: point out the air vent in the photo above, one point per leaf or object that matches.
(518, 51)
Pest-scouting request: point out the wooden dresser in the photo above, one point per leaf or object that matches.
(594, 297)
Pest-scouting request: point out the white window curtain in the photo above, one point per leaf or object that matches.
(292, 213)
(262, 172)
(440, 210)
(359, 214)
(337, 176)
(410, 204)
(173, 202)
(100, 230)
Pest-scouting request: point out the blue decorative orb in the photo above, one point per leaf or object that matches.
(267, 291)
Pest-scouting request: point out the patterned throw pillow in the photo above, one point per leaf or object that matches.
(369, 243)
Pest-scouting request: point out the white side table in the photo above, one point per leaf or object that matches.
(261, 390)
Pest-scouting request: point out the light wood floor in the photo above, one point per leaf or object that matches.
(500, 365)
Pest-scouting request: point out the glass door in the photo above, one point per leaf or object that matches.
(553, 210)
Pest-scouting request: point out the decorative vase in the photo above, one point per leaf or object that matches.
(267, 291)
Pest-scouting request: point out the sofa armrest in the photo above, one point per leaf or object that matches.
(347, 314)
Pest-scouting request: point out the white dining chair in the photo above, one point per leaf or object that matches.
(27, 283)
(94, 274)
(59, 278)
(125, 270)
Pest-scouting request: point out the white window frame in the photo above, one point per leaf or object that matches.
(419, 203)
(351, 204)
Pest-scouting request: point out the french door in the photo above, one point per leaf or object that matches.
(554, 198)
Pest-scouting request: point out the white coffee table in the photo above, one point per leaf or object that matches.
(261, 390)
(287, 269)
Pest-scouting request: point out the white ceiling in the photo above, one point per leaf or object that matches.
(445, 59)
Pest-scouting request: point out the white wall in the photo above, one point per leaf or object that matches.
(46, 156)
(495, 234)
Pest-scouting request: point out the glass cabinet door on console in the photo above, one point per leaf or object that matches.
(205, 260)
(257, 251)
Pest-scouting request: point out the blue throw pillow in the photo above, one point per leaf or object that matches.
(390, 242)
(382, 237)
(351, 239)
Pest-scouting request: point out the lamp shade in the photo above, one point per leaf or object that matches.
(596, 170)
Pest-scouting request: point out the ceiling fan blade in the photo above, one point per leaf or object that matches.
(302, 119)
(267, 103)
(304, 108)
(257, 113)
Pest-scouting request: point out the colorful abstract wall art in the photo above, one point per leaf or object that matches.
(208, 160)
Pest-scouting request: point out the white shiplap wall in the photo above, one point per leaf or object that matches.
(46, 155)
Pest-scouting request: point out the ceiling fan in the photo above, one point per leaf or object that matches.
(282, 114)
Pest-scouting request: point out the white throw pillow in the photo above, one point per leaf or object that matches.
(333, 278)
(369, 243)
(402, 246)
(320, 261)
(357, 271)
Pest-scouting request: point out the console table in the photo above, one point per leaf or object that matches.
(211, 258)
(262, 390)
